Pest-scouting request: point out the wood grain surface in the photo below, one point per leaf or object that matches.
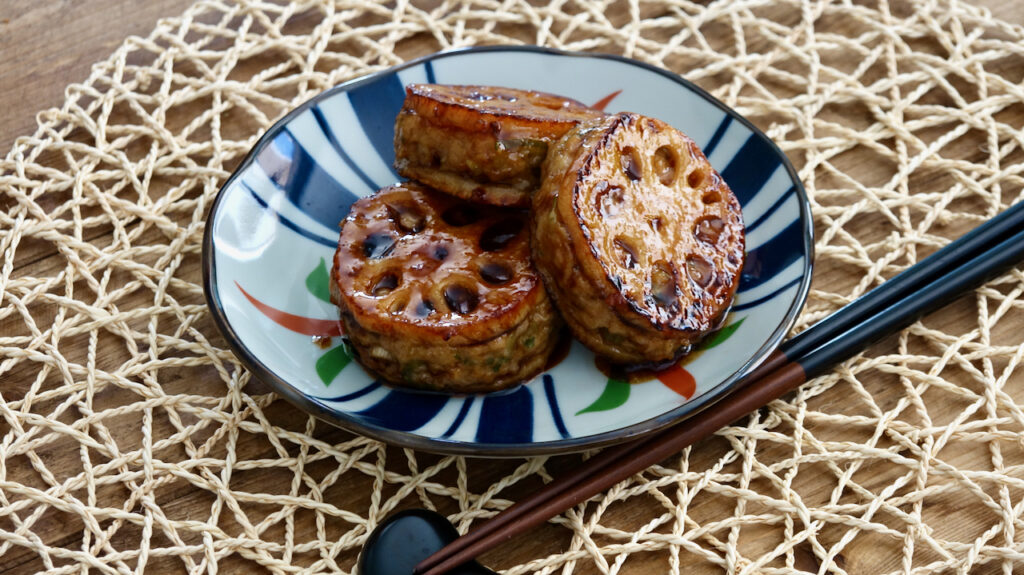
(47, 45)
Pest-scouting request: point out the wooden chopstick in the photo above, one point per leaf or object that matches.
(965, 264)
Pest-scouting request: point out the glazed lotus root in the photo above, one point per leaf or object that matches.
(437, 293)
(481, 143)
(638, 239)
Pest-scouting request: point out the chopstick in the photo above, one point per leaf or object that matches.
(965, 264)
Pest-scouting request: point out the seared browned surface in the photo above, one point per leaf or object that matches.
(436, 292)
(507, 113)
(481, 143)
(637, 238)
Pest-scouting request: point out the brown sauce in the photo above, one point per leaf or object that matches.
(561, 350)
(640, 372)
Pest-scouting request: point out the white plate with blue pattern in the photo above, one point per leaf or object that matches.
(273, 229)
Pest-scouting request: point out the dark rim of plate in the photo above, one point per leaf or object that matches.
(447, 446)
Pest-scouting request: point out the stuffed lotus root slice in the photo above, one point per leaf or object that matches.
(410, 243)
(420, 277)
(481, 143)
(658, 259)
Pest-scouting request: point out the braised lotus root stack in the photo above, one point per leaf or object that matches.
(481, 143)
(639, 241)
(440, 294)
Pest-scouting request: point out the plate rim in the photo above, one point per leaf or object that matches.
(444, 446)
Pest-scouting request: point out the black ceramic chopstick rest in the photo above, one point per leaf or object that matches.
(406, 538)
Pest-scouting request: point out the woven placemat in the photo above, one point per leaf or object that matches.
(132, 439)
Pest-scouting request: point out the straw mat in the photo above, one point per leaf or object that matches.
(131, 440)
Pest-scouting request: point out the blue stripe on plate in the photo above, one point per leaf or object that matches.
(717, 136)
(428, 66)
(764, 217)
(377, 104)
(325, 127)
(506, 418)
(749, 304)
(750, 168)
(459, 417)
(404, 410)
(771, 257)
(556, 414)
(333, 244)
(350, 396)
(312, 190)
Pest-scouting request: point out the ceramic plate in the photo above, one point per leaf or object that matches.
(274, 227)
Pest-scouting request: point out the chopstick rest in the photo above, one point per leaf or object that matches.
(406, 538)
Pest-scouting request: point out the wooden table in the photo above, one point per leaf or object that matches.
(47, 45)
(36, 64)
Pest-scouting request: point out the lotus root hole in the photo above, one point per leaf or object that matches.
(695, 179)
(499, 235)
(708, 229)
(663, 284)
(664, 163)
(608, 198)
(495, 273)
(408, 219)
(711, 197)
(460, 215)
(630, 255)
(378, 245)
(699, 270)
(398, 305)
(424, 308)
(460, 299)
(385, 284)
(631, 164)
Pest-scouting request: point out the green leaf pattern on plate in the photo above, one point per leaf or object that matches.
(615, 393)
(318, 282)
(331, 363)
(721, 335)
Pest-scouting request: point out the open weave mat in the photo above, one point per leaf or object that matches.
(132, 439)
